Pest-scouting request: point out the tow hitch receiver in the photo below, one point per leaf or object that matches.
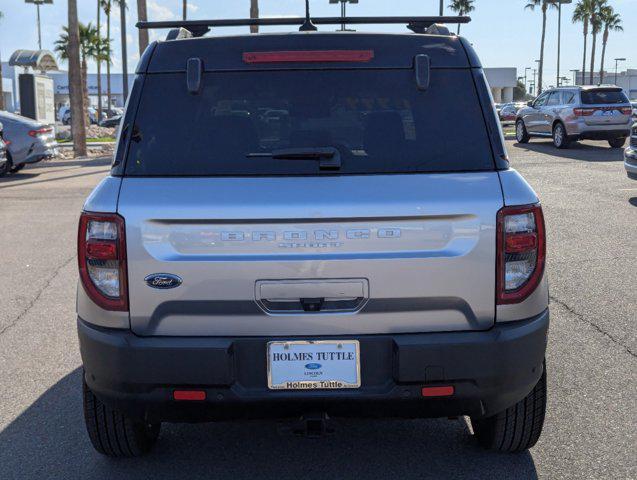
(312, 425)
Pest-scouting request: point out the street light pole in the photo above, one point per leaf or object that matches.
(442, 8)
(37, 4)
(559, 35)
(574, 76)
(526, 69)
(617, 60)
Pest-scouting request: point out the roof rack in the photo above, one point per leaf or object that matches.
(198, 28)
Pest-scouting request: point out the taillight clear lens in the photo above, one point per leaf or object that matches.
(521, 251)
(105, 276)
(102, 259)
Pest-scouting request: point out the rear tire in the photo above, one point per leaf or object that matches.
(7, 167)
(617, 142)
(521, 135)
(518, 428)
(560, 137)
(114, 434)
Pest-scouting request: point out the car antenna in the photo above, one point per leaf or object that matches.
(307, 26)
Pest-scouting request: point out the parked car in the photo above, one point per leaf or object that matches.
(508, 112)
(566, 114)
(64, 114)
(4, 164)
(630, 155)
(634, 105)
(28, 141)
(361, 262)
(111, 121)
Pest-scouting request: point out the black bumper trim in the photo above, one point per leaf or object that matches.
(491, 370)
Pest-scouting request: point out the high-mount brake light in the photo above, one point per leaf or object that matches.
(521, 252)
(101, 254)
(309, 56)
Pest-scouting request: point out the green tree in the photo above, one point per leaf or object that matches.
(544, 5)
(612, 23)
(596, 27)
(582, 14)
(91, 47)
(462, 7)
(71, 50)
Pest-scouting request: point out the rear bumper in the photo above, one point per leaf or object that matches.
(490, 370)
(605, 134)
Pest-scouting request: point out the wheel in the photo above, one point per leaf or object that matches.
(560, 138)
(518, 428)
(114, 434)
(7, 167)
(521, 135)
(617, 142)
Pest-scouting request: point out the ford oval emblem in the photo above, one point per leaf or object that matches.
(162, 280)
(313, 366)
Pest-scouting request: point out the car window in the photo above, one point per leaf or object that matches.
(541, 100)
(554, 99)
(568, 98)
(600, 97)
(377, 120)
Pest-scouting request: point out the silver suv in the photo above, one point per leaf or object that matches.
(345, 257)
(567, 114)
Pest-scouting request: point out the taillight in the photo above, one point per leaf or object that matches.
(626, 110)
(583, 112)
(101, 253)
(309, 56)
(40, 131)
(521, 252)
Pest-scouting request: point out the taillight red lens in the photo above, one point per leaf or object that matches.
(101, 254)
(626, 110)
(40, 131)
(305, 56)
(583, 112)
(521, 252)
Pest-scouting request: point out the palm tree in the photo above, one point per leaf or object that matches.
(1, 93)
(544, 4)
(596, 25)
(254, 13)
(91, 47)
(99, 64)
(72, 52)
(462, 7)
(612, 22)
(582, 13)
(142, 16)
(122, 17)
(106, 5)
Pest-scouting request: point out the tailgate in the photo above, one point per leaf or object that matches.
(329, 255)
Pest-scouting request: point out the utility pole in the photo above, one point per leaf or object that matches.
(37, 4)
(559, 35)
(617, 60)
(441, 11)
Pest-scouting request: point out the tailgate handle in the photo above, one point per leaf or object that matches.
(422, 66)
(293, 296)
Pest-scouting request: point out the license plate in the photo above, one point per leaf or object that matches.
(314, 365)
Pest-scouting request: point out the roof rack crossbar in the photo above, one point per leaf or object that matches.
(199, 28)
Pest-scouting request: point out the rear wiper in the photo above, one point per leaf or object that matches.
(329, 157)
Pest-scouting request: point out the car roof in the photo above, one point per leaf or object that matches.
(390, 50)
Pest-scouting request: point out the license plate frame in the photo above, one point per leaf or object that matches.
(315, 381)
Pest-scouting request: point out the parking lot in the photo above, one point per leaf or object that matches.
(591, 215)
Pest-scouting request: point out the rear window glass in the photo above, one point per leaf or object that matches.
(599, 97)
(377, 121)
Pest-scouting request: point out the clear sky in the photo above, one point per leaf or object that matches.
(502, 31)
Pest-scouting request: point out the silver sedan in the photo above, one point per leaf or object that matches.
(27, 140)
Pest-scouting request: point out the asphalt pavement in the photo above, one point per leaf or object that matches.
(590, 431)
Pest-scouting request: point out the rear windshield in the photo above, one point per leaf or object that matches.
(377, 120)
(599, 97)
